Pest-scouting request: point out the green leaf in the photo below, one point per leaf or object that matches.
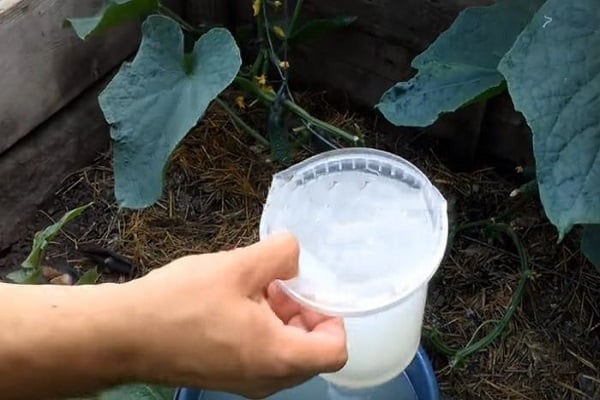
(89, 277)
(154, 101)
(460, 65)
(317, 27)
(553, 77)
(138, 392)
(112, 13)
(488, 94)
(590, 244)
(26, 276)
(42, 238)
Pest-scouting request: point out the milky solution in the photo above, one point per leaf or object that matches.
(369, 231)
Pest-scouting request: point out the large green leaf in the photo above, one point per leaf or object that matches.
(553, 76)
(138, 392)
(460, 65)
(43, 238)
(590, 244)
(155, 100)
(112, 13)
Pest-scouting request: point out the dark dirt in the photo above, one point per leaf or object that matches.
(213, 199)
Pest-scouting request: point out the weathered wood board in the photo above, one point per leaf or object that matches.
(50, 120)
(208, 12)
(376, 51)
(43, 65)
(32, 169)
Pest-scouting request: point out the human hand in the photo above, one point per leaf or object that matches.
(220, 322)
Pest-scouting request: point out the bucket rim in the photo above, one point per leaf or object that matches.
(420, 373)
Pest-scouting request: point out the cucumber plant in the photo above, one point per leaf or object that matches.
(156, 99)
(546, 54)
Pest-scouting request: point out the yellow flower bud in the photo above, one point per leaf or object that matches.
(279, 31)
(256, 7)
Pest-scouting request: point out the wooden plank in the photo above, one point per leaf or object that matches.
(360, 65)
(43, 66)
(410, 23)
(34, 168)
(207, 12)
(367, 58)
(363, 61)
(414, 24)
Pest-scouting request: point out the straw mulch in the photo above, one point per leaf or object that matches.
(213, 199)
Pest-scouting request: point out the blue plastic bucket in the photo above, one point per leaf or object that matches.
(418, 379)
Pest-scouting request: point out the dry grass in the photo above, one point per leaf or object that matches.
(213, 199)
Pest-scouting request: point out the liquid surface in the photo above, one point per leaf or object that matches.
(364, 237)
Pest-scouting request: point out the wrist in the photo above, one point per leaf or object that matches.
(131, 327)
(66, 339)
(97, 323)
(146, 340)
(113, 326)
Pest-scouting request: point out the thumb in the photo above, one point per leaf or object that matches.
(275, 257)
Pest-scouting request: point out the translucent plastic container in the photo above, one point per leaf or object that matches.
(372, 231)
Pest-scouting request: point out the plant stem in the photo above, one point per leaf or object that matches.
(260, 28)
(271, 55)
(183, 23)
(460, 355)
(515, 301)
(295, 17)
(488, 221)
(265, 64)
(302, 113)
(238, 120)
(256, 67)
(269, 99)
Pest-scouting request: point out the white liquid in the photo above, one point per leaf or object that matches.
(382, 345)
(365, 242)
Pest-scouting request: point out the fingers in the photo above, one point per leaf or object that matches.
(282, 305)
(323, 349)
(273, 258)
(312, 319)
(287, 308)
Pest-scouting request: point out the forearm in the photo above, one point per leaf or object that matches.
(58, 341)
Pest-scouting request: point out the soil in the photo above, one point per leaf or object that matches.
(215, 189)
